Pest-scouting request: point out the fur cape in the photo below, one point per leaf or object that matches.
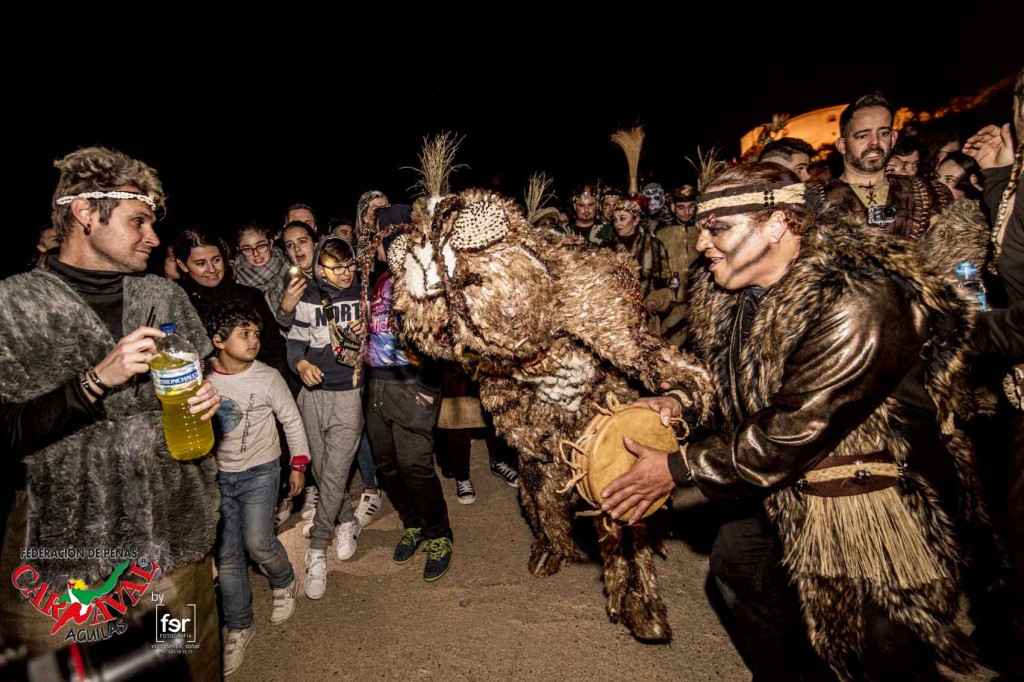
(825, 550)
(112, 484)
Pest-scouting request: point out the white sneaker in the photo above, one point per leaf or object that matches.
(345, 535)
(309, 503)
(316, 573)
(234, 648)
(283, 512)
(307, 529)
(367, 509)
(284, 604)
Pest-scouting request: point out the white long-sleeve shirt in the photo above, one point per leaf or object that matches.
(249, 403)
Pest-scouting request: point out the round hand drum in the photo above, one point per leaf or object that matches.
(599, 457)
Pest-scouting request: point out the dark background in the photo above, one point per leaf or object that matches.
(243, 113)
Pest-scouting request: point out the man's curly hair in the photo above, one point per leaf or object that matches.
(93, 169)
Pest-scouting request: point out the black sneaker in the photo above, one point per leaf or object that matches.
(506, 473)
(465, 491)
(439, 557)
(407, 546)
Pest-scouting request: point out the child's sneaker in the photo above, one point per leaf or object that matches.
(309, 503)
(439, 557)
(315, 584)
(367, 509)
(284, 604)
(307, 529)
(234, 648)
(506, 473)
(465, 491)
(407, 546)
(345, 535)
(283, 511)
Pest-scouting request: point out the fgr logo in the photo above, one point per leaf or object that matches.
(178, 629)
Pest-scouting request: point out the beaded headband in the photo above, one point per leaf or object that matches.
(630, 206)
(112, 194)
(750, 198)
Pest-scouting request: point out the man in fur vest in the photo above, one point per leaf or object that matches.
(900, 205)
(101, 521)
(837, 358)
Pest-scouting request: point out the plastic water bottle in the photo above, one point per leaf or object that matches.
(674, 285)
(177, 374)
(967, 279)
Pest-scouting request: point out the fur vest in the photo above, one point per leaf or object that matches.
(893, 546)
(111, 485)
(915, 199)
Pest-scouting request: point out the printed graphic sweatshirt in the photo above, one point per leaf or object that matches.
(309, 338)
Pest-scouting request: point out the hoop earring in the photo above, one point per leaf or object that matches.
(87, 229)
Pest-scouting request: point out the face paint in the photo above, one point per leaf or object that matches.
(736, 249)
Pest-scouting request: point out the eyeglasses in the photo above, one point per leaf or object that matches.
(340, 270)
(260, 247)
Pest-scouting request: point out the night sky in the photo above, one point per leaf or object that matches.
(242, 115)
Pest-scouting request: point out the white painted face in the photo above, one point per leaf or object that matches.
(422, 275)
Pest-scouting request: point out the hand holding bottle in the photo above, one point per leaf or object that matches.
(130, 356)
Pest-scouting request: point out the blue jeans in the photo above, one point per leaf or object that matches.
(247, 501)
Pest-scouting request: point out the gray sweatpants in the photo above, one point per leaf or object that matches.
(334, 424)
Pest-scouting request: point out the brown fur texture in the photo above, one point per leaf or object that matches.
(960, 233)
(832, 261)
(548, 328)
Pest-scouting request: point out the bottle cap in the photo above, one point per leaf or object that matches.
(966, 269)
(169, 327)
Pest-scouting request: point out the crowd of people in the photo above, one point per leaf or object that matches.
(869, 439)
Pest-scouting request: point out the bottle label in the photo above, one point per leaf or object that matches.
(177, 380)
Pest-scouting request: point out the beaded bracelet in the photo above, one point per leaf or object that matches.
(84, 381)
(96, 380)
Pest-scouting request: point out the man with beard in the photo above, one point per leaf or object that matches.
(586, 225)
(898, 205)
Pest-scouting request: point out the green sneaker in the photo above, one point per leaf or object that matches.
(439, 558)
(407, 546)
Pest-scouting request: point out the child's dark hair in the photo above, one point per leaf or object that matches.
(223, 319)
(337, 249)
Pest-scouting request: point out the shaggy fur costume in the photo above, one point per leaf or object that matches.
(960, 233)
(831, 262)
(113, 483)
(549, 328)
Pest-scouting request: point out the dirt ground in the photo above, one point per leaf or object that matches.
(488, 618)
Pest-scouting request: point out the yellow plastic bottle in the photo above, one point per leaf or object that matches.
(177, 374)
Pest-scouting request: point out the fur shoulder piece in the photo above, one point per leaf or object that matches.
(960, 233)
(37, 355)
